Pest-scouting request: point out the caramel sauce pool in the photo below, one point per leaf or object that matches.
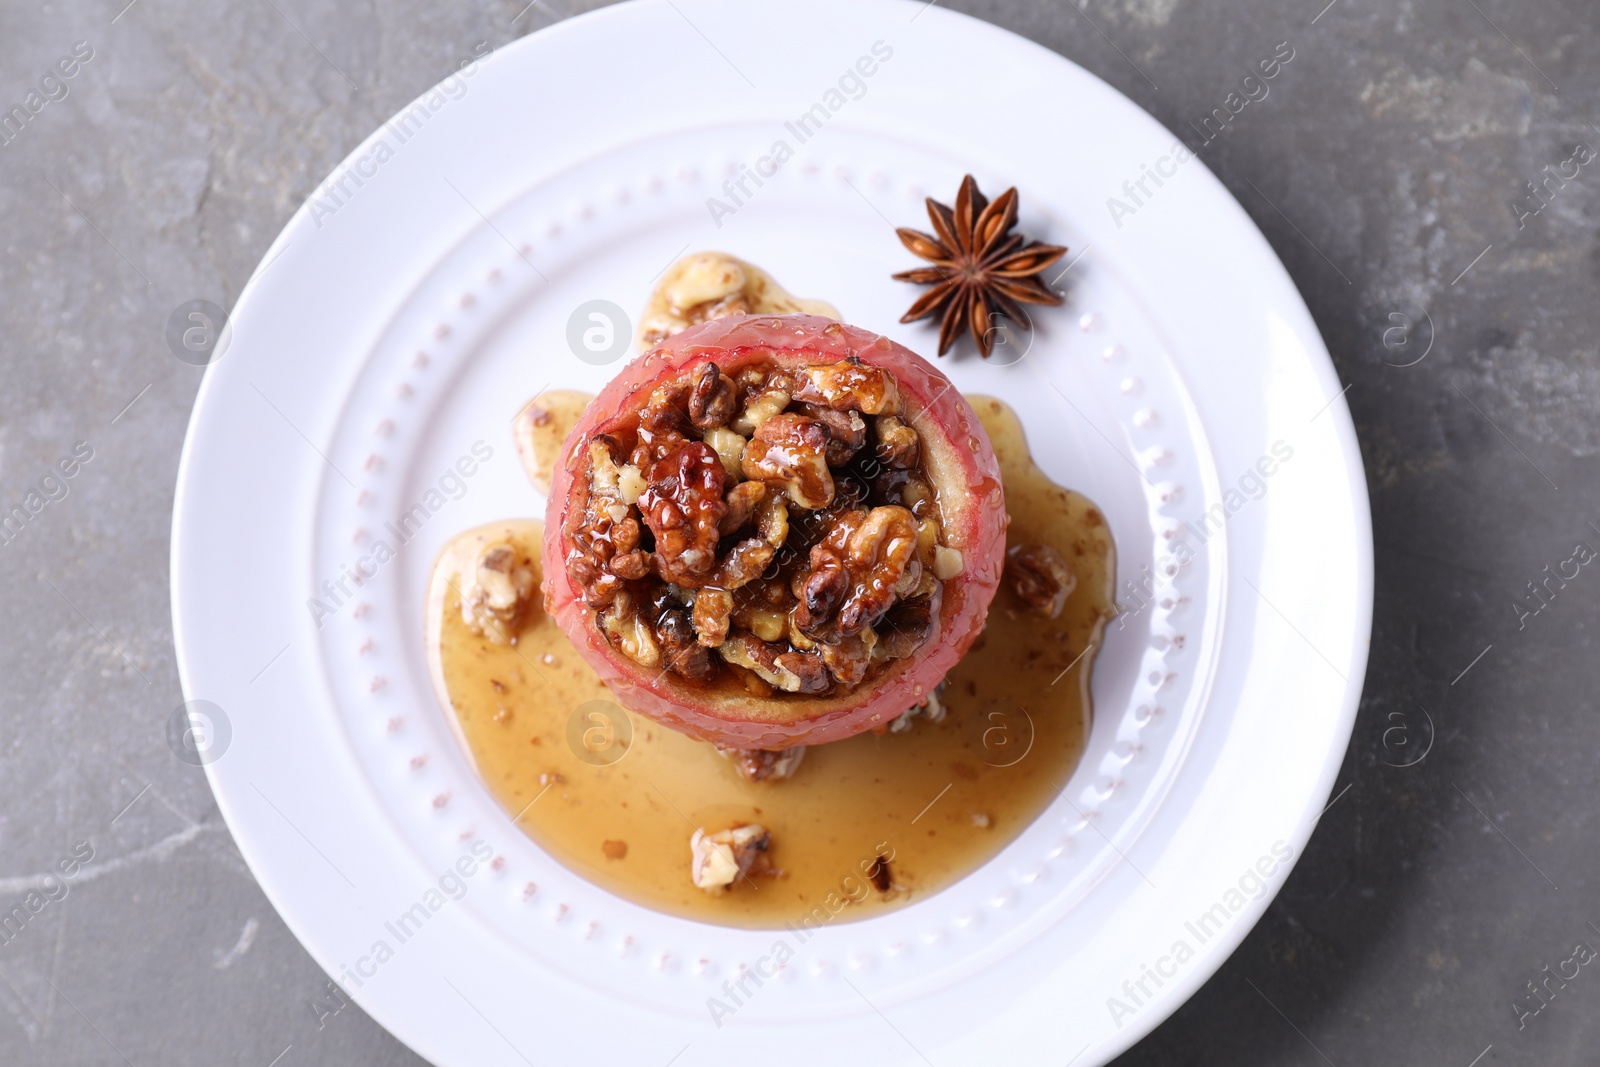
(541, 428)
(940, 799)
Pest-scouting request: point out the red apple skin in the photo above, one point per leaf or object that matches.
(961, 465)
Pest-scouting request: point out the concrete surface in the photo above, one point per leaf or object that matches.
(1385, 160)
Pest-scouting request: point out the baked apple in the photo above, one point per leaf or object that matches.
(773, 531)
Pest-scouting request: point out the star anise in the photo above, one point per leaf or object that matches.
(980, 270)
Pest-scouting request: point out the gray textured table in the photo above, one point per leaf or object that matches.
(1390, 168)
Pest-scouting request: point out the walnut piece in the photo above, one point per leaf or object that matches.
(718, 860)
(767, 405)
(918, 496)
(848, 659)
(792, 672)
(876, 556)
(848, 384)
(663, 420)
(713, 609)
(714, 288)
(683, 508)
(703, 280)
(909, 624)
(897, 446)
(729, 446)
(765, 623)
(847, 431)
(789, 452)
(684, 654)
(602, 527)
(631, 565)
(772, 520)
(714, 398)
(764, 765)
(712, 285)
(741, 500)
(496, 593)
(597, 586)
(1039, 575)
(624, 627)
(620, 484)
(744, 564)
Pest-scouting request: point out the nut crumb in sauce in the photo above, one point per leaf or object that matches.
(878, 874)
(762, 765)
(1040, 577)
(718, 859)
(496, 593)
(713, 285)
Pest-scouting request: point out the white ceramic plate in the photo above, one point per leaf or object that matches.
(425, 292)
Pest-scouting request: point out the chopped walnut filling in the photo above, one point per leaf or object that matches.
(718, 860)
(775, 527)
(495, 593)
(1039, 575)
